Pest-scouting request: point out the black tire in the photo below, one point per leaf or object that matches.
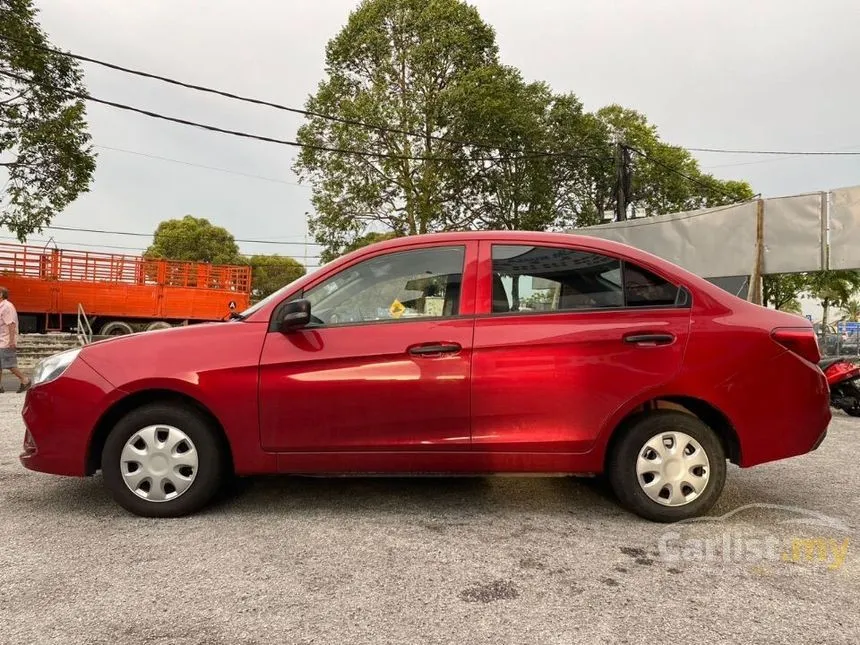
(158, 325)
(211, 457)
(621, 465)
(116, 328)
(852, 412)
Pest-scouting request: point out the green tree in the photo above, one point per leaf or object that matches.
(193, 239)
(509, 184)
(832, 288)
(45, 153)
(271, 272)
(584, 178)
(512, 154)
(360, 242)
(792, 307)
(851, 311)
(396, 63)
(665, 178)
(782, 291)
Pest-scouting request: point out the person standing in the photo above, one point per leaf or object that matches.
(9, 340)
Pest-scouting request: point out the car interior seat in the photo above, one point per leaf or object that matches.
(501, 302)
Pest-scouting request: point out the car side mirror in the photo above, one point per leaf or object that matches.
(295, 315)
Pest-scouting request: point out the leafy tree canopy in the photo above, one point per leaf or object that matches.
(271, 272)
(851, 310)
(46, 160)
(193, 239)
(396, 63)
(358, 243)
(478, 146)
(782, 290)
(832, 288)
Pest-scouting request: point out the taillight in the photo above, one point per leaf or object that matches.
(800, 340)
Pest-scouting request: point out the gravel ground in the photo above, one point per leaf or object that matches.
(488, 560)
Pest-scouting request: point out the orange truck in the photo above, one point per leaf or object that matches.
(118, 294)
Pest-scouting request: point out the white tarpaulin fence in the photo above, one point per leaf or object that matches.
(725, 241)
(845, 228)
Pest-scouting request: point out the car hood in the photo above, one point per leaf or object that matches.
(181, 353)
(146, 336)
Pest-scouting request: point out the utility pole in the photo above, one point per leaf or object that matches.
(305, 256)
(754, 294)
(622, 180)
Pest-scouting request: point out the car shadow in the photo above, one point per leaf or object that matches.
(470, 498)
(467, 496)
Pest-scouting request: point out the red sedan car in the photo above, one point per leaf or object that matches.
(463, 353)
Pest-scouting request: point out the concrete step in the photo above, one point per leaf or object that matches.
(32, 348)
(41, 339)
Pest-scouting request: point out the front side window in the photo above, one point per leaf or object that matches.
(423, 283)
(537, 278)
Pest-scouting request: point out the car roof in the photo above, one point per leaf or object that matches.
(531, 237)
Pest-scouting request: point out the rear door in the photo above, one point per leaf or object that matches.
(567, 337)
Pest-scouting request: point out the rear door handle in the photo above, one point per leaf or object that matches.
(430, 350)
(647, 339)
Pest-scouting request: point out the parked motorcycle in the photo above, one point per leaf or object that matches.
(843, 378)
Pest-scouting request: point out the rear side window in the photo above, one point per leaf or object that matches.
(537, 278)
(644, 289)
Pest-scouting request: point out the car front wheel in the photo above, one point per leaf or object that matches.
(163, 460)
(667, 466)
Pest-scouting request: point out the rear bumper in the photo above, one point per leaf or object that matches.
(819, 441)
(59, 419)
(780, 409)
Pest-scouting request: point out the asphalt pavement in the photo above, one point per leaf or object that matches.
(484, 560)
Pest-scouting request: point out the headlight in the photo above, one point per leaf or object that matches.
(54, 366)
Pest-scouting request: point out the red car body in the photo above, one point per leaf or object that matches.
(537, 392)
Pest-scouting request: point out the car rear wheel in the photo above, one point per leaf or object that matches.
(163, 460)
(667, 466)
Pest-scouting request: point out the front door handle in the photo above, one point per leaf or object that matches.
(648, 339)
(429, 350)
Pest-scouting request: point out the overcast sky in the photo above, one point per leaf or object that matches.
(752, 74)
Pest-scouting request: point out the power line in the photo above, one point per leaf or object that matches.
(197, 165)
(774, 158)
(247, 99)
(136, 234)
(787, 153)
(99, 246)
(247, 135)
(698, 182)
(119, 247)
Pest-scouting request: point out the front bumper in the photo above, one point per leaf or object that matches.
(59, 418)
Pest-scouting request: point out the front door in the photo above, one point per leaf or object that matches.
(384, 365)
(570, 337)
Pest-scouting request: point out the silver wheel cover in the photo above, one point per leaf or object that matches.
(673, 468)
(159, 463)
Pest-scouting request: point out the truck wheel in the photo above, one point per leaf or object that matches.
(163, 460)
(668, 466)
(116, 328)
(158, 324)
